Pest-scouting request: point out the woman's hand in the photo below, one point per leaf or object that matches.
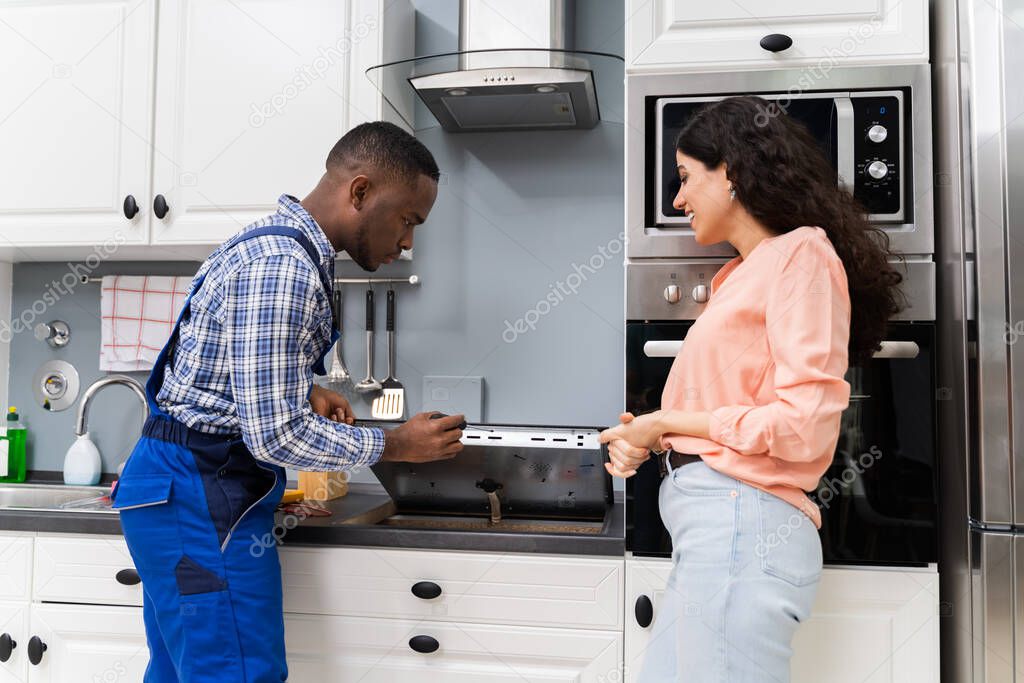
(625, 459)
(629, 444)
(642, 432)
(331, 405)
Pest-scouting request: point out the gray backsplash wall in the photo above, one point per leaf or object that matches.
(521, 268)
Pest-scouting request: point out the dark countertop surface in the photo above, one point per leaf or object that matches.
(351, 524)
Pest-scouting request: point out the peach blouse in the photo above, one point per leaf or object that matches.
(767, 358)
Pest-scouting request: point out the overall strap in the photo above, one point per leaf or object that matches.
(156, 377)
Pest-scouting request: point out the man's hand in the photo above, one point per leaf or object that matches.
(331, 405)
(424, 440)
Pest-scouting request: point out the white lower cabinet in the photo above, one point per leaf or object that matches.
(384, 650)
(867, 625)
(379, 615)
(87, 643)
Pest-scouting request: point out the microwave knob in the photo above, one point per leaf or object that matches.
(877, 170)
(877, 133)
(673, 294)
(700, 294)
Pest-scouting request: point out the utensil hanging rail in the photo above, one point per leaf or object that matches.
(411, 280)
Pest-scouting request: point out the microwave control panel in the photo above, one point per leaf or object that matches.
(878, 155)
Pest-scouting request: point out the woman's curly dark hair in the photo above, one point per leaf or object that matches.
(783, 179)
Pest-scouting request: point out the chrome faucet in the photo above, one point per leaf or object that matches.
(83, 407)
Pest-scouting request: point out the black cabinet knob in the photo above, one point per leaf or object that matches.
(424, 644)
(426, 590)
(644, 611)
(128, 577)
(160, 206)
(7, 646)
(130, 207)
(36, 648)
(776, 42)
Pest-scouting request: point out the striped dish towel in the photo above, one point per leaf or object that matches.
(139, 313)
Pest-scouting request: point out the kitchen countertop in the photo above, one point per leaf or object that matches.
(362, 500)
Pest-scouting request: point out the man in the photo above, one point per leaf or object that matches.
(232, 402)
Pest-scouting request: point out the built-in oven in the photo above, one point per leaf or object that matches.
(878, 498)
(873, 123)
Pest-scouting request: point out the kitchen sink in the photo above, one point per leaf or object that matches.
(54, 497)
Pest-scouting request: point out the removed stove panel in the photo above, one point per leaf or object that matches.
(508, 471)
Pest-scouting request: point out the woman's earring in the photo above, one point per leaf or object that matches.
(732, 193)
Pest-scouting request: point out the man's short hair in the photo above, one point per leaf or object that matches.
(387, 147)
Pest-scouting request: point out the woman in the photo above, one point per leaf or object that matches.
(751, 408)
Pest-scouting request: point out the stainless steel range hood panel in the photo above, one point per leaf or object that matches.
(512, 71)
(517, 99)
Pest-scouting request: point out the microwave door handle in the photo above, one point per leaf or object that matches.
(845, 164)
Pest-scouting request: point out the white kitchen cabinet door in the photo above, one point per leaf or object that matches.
(329, 648)
(887, 618)
(685, 35)
(252, 95)
(75, 123)
(892, 617)
(15, 565)
(88, 643)
(645, 580)
(511, 588)
(14, 626)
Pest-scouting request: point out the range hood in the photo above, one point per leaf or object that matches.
(516, 69)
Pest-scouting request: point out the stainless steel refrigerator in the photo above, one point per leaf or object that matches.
(978, 78)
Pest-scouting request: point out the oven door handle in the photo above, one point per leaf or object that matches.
(669, 348)
(845, 133)
(662, 349)
(898, 349)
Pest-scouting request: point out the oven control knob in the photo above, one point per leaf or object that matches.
(700, 294)
(877, 170)
(877, 133)
(673, 294)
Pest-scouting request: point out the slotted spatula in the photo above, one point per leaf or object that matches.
(390, 405)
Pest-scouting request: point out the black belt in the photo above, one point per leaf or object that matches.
(676, 460)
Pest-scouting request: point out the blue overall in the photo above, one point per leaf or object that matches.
(195, 509)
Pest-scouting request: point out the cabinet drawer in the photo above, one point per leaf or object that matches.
(15, 565)
(541, 590)
(77, 569)
(334, 648)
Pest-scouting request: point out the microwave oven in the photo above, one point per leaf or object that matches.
(872, 123)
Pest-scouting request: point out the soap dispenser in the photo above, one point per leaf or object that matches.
(12, 449)
(82, 464)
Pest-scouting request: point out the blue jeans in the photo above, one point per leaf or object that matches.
(746, 566)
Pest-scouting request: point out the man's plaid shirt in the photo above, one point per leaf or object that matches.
(244, 358)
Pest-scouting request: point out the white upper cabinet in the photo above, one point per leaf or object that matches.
(224, 104)
(243, 119)
(75, 121)
(686, 35)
